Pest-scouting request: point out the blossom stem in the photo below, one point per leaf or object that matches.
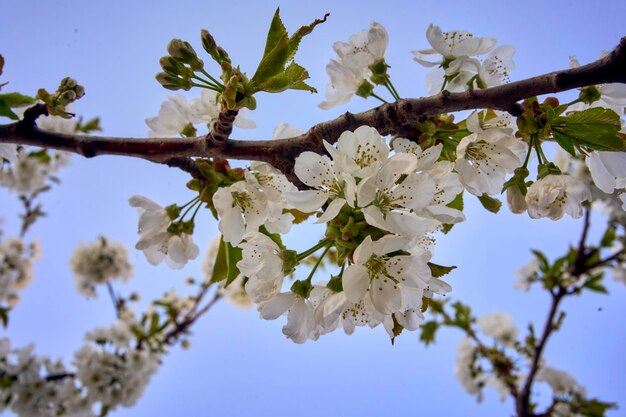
(319, 261)
(209, 84)
(204, 86)
(193, 216)
(378, 97)
(391, 88)
(312, 250)
(530, 149)
(189, 202)
(189, 208)
(217, 82)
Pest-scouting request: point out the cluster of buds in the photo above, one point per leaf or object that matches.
(68, 92)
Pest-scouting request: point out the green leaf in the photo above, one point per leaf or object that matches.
(595, 284)
(16, 99)
(593, 408)
(438, 271)
(233, 255)
(544, 265)
(291, 78)
(565, 141)
(462, 316)
(456, 204)
(220, 266)
(91, 125)
(491, 204)
(4, 316)
(295, 39)
(429, 330)
(273, 62)
(276, 32)
(5, 111)
(596, 128)
(396, 330)
(608, 237)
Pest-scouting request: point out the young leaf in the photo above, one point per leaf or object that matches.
(429, 330)
(596, 128)
(233, 255)
(491, 204)
(438, 271)
(276, 32)
(220, 266)
(16, 99)
(273, 62)
(5, 111)
(291, 78)
(456, 204)
(565, 142)
(295, 39)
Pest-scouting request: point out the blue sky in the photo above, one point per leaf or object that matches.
(237, 364)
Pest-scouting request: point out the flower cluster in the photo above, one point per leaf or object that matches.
(379, 207)
(99, 263)
(352, 72)
(453, 53)
(16, 270)
(106, 371)
(160, 238)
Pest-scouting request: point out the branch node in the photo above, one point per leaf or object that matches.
(32, 114)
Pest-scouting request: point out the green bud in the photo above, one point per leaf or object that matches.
(589, 94)
(491, 204)
(189, 131)
(173, 82)
(290, 260)
(187, 227)
(547, 169)
(365, 89)
(302, 288)
(335, 284)
(182, 50)
(173, 211)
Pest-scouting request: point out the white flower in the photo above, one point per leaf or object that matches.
(284, 131)
(484, 159)
(360, 153)
(390, 205)
(174, 116)
(612, 96)
(29, 173)
(274, 185)
(526, 275)
(555, 195)
(99, 262)
(8, 151)
(16, 270)
(344, 83)
(516, 200)
(499, 326)
(382, 277)
(351, 69)
(608, 170)
(301, 324)
(560, 381)
(466, 371)
(242, 208)
(327, 183)
(206, 110)
(451, 45)
(155, 241)
(497, 67)
(262, 264)
(364, 48)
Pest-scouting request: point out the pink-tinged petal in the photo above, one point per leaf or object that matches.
(355, 282)
(276, 306)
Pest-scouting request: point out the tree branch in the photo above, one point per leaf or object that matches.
(390, 118)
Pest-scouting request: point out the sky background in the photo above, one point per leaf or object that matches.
(238, 365)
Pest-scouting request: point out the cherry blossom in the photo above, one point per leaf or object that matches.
(555, 195)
